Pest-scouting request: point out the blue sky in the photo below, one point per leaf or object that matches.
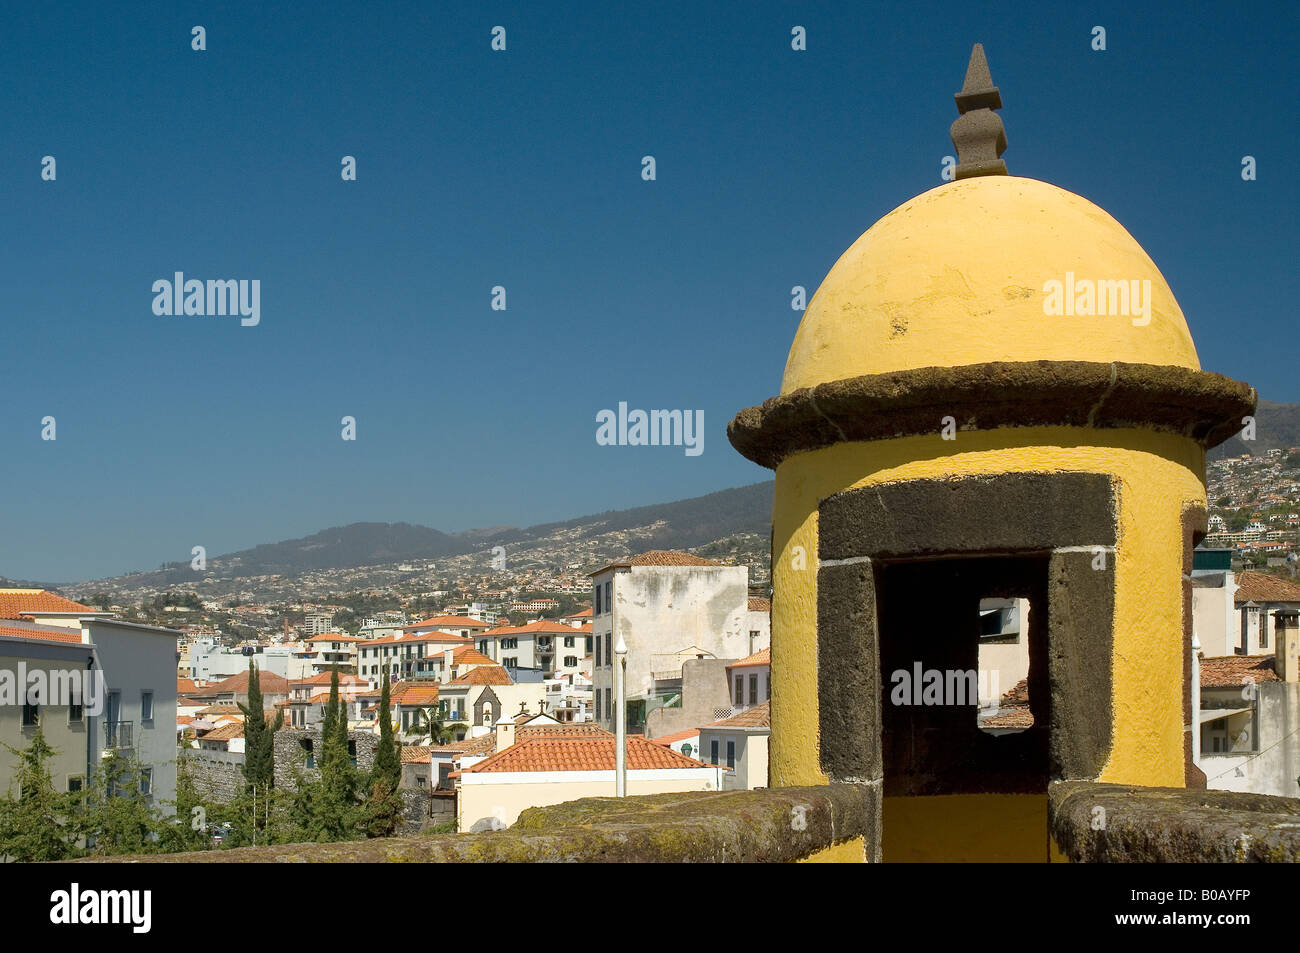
(522, 169)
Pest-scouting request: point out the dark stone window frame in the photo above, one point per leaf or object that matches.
(1054, 517)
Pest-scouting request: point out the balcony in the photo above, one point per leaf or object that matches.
(117, 736)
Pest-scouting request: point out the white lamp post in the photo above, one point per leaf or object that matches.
(620, 719)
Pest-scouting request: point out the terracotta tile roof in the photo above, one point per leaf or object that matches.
(14, 602)
(1019, 694)
(45, 633)
(1261, 587)
(1230, 671)
(468, 655)
(412, 754)
(677, 736)
(759, 604)
(224, 732)
(761, 657)
(335, 637)
(580, 614)
(1017, 716)
(413, 693)
(269, 682)
(221, 710)
(658, 557)
(484, 675)
(476, 747)
(760, 716)
(581, 754)
(541, 626)
(581, 729)
(185, 686)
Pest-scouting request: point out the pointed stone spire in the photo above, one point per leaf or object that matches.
(977, 134)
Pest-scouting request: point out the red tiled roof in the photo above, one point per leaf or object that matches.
(269, 682)
(1261, 587)
(581, 754)
(484, 675)
(335, 637)
(1231, 671)
(543, 626)
(413, 754)
(580, 614)
(224, 732)
(345, 678)
(413, 693)
(415, 639)
(14, 602)
(677, 736)
(45, 633)
(761, 657)
(760, 716)
(759, 604)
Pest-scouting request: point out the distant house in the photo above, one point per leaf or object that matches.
(739, 744)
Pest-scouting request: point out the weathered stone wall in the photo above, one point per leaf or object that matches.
(1119, 823)
(290, 753)
(217, 776)
(787, 824)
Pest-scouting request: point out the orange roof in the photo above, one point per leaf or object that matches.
(15, 602)
(1261, 587)
(335, 637)
(468, 655)
(484, 675)
(1231, 671)
(224, 732)
(761, 657)
(545, 626)
(581, 754)
(659, 557)
(677, 736)
(413, 638)
(269, 682)
(415, 753)
(185, 686)
(759, 604)
(760, 716)
(45, 633)
(413, 693)
(580, 614)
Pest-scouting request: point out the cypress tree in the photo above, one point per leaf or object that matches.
(388, 762)
(259, 736)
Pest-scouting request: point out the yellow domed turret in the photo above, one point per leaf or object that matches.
(957, 276)
(993, 401)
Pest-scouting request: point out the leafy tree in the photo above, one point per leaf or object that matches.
(326, 806)
(188, 829)
(431, 725)
(34, 826)
(118, 817)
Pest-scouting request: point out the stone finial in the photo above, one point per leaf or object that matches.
(977, 134)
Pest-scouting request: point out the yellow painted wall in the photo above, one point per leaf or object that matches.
(850, 852)
(1157, 473)
(965, 828)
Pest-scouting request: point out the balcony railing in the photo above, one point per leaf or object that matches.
(117, 735)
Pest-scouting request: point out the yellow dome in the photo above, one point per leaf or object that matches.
(957, 276)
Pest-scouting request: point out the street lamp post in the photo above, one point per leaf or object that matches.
(620, 719)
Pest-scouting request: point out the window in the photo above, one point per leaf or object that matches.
(568, 641)
(588, 645)
(609, 596)
(570, 661)
(76, 714)
(510, 662)
(146, 706)
(740, 690)
(753, 688)
(74, 784)
(609, 649)
(767, 686)
(31, 714)
(609, 704)
(599, 610)
(598, 699)
(713, 751)
(1263, 629)
(146, 781)
(731, 754)
(599, 642)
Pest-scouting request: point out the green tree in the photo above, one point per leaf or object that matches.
(119, 817)
(382, 811)
(188, 828)
(329, 804)
(431, 724)
(259, 736)
(34, 826)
